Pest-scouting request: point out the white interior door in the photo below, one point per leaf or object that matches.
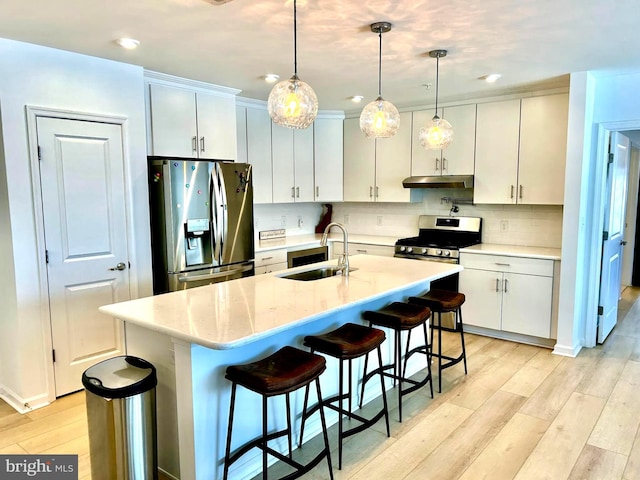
(83, 198)
(612, 245)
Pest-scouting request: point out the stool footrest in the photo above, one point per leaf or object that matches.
(257, 442)
(415, 384)
(452, 360)
(300, 468)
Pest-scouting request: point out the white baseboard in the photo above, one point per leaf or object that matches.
(23, 405)
(567, 351)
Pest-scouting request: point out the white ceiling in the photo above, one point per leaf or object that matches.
(236, 43)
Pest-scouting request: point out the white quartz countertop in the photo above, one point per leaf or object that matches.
(514, 251)
(314, 239)
(235, 313)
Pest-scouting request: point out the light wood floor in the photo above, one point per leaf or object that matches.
(520, 413)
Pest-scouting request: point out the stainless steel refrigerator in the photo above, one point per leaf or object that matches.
(201, 222)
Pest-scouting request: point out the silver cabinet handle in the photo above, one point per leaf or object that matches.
(361, 250)
(202, 144)
(520, 194)
(377, 192)
(119, 266)
(445, 164)
(194, 144)
(370, 192)
(506, 284)
(512, 191)
(437, 164)
(317, 191)
(297, 192)
(497, 284)
(293, 192)
(503, 264)
(266, 258)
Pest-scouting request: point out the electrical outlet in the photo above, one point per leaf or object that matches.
(300, 222)
(346, 219)
(379, 220)
(283, 221)
(504, 225)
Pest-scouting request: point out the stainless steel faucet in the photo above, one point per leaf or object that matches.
(343, 261)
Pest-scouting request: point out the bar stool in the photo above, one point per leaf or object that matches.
(399, 317)
(442, 301)
(346, 343)
(284, 371)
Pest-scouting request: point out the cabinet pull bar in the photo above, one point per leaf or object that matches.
(297, 192)
(317, 191)
(505, 285)
(503, 264)
(437, 164)
(194, 144)
(377, 193)
(361, 250)
(497, 284)
(445, 164)
(266, 258)
(370, 191)
(293, 192)
(512, 192)
(202, 144)
(520, 195)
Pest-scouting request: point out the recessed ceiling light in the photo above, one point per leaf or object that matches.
(271, 78)
(357, 98)
(128, 43)
(491, 77)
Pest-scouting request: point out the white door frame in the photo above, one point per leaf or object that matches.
(33, 112)
(594, 239)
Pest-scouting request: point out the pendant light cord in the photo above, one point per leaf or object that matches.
(295, 40)
(437, 75)
(379, 64)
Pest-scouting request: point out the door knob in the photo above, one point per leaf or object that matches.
(120, 266)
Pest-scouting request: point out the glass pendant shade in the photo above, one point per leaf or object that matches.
(293, 103)
(379, 119)
(437, 135)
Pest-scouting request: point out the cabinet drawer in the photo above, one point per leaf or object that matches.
(503, 263)
(270, 257)
(363, 249)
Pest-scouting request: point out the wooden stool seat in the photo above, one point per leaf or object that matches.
(282, 372)
(346, 343)
(440, 300)
(400, 317)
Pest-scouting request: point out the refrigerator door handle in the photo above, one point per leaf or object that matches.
(216, 217)
(211, 276)
(222, 219)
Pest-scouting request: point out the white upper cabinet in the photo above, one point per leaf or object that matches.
(497, 138)
(328, 159)
(521, 150)
(241, 132)
(259, 154)
(374, 169)
(543, 149)
(292, 157)
(185, 123)
(457, 158)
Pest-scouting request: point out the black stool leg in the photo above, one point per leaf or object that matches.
(289, 423)
(340, 392)
(439, 352)
(264, 437)
(398, 365)
(428, 354)
(384, 393)
(229, 428)
(464, 352)
(324, 429)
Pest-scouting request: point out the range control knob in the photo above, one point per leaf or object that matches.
(447, 253)
(438, 252)
(424, 251)
(401, 249)
(409, 249)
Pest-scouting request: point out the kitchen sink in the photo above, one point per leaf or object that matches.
(315, 274)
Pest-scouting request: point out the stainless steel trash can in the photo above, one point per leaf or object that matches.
(121, 414)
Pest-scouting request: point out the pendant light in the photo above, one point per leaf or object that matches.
(380, 119)
(438, 134)
(293, 103)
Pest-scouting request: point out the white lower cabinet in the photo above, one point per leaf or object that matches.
(271, 261)
(511, 294)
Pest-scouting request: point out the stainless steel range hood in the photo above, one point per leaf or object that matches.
(439, 181)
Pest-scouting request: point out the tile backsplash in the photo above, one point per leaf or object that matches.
(529, 225)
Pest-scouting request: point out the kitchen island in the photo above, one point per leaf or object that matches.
(192, 335)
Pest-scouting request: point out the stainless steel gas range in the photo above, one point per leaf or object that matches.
(440, 238)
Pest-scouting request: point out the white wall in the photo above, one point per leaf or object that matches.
(44, 77)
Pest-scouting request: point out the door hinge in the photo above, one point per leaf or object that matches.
(53, 354)
(611, 158)
(46, 256)
(39, 153)
(605, 235)
(600, 310)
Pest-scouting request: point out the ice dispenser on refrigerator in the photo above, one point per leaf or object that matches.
(201, 222)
